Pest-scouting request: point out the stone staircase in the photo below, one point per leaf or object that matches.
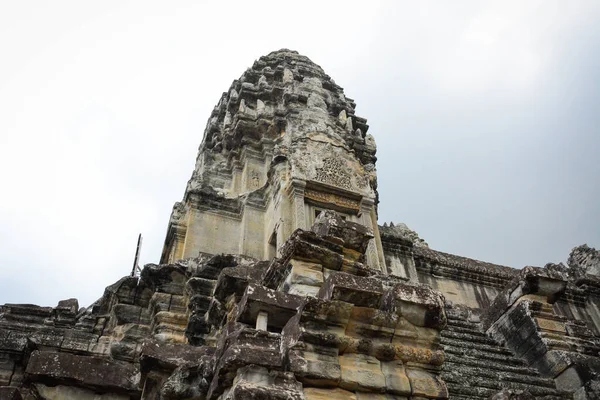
(477, 366)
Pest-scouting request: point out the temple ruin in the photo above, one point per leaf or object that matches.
(276, 282)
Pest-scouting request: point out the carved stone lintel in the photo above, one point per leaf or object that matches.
(338, 201)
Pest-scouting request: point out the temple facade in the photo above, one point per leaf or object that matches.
(276, 282)
(282, 145)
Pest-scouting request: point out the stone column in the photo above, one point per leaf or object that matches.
(261, 321)
(178, 243)
(296, 192)
(366, 206)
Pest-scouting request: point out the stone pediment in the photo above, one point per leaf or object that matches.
(318, 160)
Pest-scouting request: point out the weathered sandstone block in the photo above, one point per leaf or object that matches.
(98, 373)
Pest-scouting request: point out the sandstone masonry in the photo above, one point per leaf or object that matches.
(276, 282)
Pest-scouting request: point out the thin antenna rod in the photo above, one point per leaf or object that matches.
(136, 260)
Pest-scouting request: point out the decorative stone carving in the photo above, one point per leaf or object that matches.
(338, 201)
(278, 123)
(343, 310)
(333, 172)
(584, 260)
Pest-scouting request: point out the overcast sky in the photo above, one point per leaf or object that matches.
(486, 116)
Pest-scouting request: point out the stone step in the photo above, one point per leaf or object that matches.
(464, 324)
(455, 396)
(477, 366)
(587, 341)
(474, 354)
(466, 337)
(473, 386)
(500, 356)
(473, 392)
(27, 320)
(456, 373)
(546, 307)
(470, 331)
(585, 345)
(458, 391)
(511, 366)
(459, 344)
(496, 385)
(550, 316)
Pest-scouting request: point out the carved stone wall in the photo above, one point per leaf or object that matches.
(276, 282)
(283, 110)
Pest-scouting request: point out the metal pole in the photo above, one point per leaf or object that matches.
(137, 256)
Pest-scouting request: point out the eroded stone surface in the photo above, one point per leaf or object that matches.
(276, 282)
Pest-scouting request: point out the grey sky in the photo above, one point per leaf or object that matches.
(486, 116)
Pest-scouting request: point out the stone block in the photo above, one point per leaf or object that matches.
(379, 396)
(62, 392)
(13, 343)
(304, 278)
(70, 305)
(512, 394)
(396, 380)
(419, 304)
(334, 313)
(199, 303)
(10, 393)
(546, 284)
(165, 278)
(169, 327)
(233, 281)
(215, 313)
(408, 334)
(170, 356)
(551, 325)
(357, 290)
(354, 236)
(353, 255)
(328, 394)
(177, 304)
(307, 246)
(199, 286)
(249, 346)
(170, 320)
(77, 340)
(372, 324)
(102, 347)
(259, 383)
(306, 273)
(590, 391)
(125, 314)
(125, 350)
(316, 366)
(125, 291)
(279, 306)
(426, 384)
(160, 302)
(100, 373)
(298, 289)
(6, 370)
(18, 377)
(361, 372)
(51, 337)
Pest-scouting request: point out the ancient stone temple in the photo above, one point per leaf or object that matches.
(276, 282)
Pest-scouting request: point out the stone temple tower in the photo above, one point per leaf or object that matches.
(275, 282)
(282, 145)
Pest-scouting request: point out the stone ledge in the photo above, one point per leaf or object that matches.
(84, 371)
